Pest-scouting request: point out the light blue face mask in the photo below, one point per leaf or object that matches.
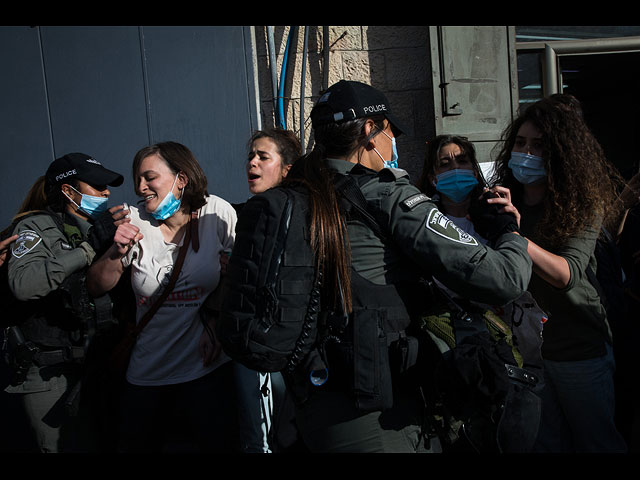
(169, 204)
(527, 169)
(393, 163)
(456, 184)
(90, 205)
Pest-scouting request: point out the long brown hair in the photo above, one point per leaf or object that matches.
(35, 200)
(329, 238)
(582, 185)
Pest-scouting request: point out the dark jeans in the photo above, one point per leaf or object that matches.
(578, 407)
(201, 414)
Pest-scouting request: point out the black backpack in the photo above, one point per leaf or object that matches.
(271, 295)
(482, 372)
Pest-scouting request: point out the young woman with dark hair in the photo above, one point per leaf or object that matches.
(270, 154)
(552, 174)
(272, 151)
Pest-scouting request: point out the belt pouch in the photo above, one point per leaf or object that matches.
(371, 371)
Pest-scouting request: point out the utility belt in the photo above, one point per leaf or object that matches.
(370, 369)
(20, 354)
(364, 354)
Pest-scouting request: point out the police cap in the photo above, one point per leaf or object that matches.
(81, 167)
(348, 100)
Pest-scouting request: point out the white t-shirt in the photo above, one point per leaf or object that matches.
(167, 349)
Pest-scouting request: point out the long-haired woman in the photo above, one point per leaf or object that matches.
(552, 173)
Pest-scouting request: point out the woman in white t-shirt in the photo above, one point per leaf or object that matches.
(177, 369)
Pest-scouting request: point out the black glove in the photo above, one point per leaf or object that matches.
(101, 233)
(488, 221)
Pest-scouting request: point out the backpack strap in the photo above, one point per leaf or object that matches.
(313, 307)
(349, 189)
(266, 297)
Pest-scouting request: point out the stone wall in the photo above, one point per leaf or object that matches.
(394, 59)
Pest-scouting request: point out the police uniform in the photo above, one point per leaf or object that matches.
(432, 242)
(365, 404)
(56, 317)
(417, 240)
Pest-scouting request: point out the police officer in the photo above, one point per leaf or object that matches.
(364, 404)
(48, 341)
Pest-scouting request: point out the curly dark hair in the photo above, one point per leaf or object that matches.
(582, 185)
(432, 161)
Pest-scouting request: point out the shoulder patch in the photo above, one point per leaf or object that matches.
(414, 200)
(440, 224)
(26, 241)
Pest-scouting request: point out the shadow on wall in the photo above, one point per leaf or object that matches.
(399, 64)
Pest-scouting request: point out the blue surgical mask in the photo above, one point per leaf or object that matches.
(456, 184)
(169, 204)
(90, 205)
(527, 168)
(393, 163)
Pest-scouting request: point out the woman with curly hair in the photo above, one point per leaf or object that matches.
(552, 174)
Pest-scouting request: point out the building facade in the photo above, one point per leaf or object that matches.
(108, 91)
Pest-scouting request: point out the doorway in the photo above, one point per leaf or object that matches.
(605, 84)
(599, 72)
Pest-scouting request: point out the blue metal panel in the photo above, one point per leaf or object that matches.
(198, 92)
(96, 92)
(25, 135)
(108, 91)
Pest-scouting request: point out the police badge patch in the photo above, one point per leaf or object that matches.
(437, 222)
(26, 241)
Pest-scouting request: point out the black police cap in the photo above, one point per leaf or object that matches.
(81, 167)
(348, 100)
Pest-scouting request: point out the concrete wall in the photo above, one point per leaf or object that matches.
(394, 59)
